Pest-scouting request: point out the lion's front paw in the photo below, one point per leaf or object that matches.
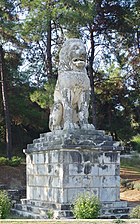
(70, 126)
(88, 127)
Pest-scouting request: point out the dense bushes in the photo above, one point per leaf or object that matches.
(135, 213)
(136, 143)
(133, 161)
(5, 205)
(15, 161)
(86, 206)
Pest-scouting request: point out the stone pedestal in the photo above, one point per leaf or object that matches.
(63, 164)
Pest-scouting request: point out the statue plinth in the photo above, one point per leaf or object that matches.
(63, 164)
(74, 139)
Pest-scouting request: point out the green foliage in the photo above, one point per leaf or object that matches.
(44, 97)
(50, 214)
(119, 221)
(137, 186)
(86, 206)
(135, 213)
(112, 97)
(5, 205)
(133, 162)
(3, 161)
(136, 143)
(127, 184)
(14, 161)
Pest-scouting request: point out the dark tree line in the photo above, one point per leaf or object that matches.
(32, 33)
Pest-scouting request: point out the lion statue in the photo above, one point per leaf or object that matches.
(72, 91)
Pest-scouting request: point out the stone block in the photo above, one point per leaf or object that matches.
(87, 156)
(72, 194)
(96, 157)
(65, 170)
(50, 169)
(53, 156)
(75, 156)
(28, 159)
(110, 181)
(57, 195)
(106, 169)
(116, 204)
(44, 194)
(64, 157)
(111, 157)
(56, 182)
(87, 181)
(108, 194)
(96, 182)
(117, 169)
(58, 169)
(93, 190)
(31, 180)
(30, 194)
(118, 193)
(30, 169)
(39, 158)
(42, 181)
(95, 170)
(45, 157)
(41, 169)
(76, 169)
(37, 192)
(73, 181)
(87, 167)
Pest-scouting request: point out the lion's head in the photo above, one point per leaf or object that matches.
(72, 56)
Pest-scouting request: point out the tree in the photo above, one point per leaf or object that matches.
(41, 31)
(114, 105)
(5, 105)
(106, 27)
(7, 22)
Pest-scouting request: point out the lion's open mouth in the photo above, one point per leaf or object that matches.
(79, 62)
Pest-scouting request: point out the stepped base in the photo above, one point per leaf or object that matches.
(43, 210)
(63, 164)
(115, 210)
(38, 210)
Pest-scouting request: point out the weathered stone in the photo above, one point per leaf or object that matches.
(78, 143)
(72, 91)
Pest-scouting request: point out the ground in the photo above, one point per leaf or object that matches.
(72, 221)
(15, 177)
(132, 177)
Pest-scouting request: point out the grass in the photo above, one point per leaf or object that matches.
(131, 163)
(70, 221)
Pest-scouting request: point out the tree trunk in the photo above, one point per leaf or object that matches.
(49, 55)
(5, 105)
(90, 71)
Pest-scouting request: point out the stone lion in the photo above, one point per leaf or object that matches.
(72, 91)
